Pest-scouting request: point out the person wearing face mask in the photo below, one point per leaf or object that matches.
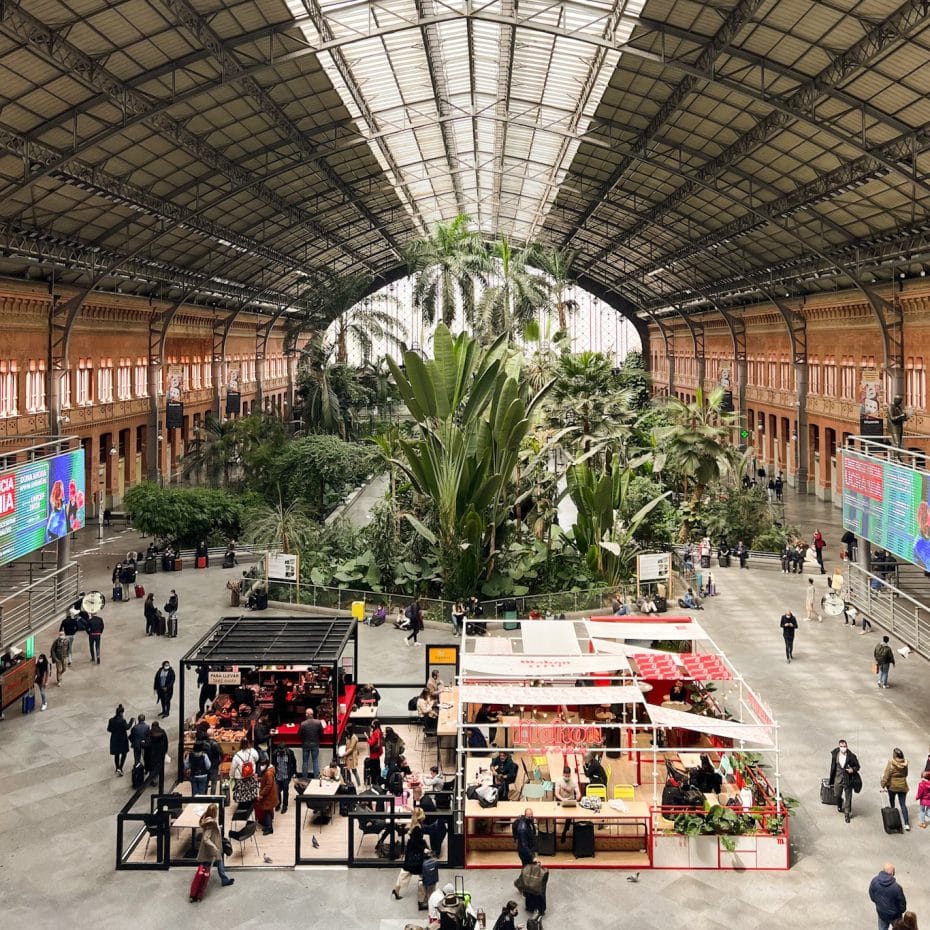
(164, 687)
(845, 777)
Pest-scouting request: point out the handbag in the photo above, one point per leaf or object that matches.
(227, 846)
(875, 668)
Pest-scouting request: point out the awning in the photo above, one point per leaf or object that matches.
(607, 647)
(549, 638)
(519, 666)
(751, 733)
(645, 631)
(526, 696)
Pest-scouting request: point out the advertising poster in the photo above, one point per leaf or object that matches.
(726, 385)
(281, 566)
(39, 503)
(889, 505)
(175, 386)
(871, 420)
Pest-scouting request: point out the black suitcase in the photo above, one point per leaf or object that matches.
(545, 843)
(723, 561)
(138, 775)
(430, 874)
(373, 771)
(827, 794)
(117, 592)
(583, 839)
(661, 604)
(162, 625)
(705, 561)
(261, 600)
(891, 820)
(150, 566)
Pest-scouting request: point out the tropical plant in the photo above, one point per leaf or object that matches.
(472, 418)
(330, 394)
(697, 441)
(281, 527)
(211, 454)
(446, 268)
(366, 320)
(514, 295)
(556, 265)
(186, 515)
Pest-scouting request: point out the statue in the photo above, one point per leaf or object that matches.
(896, 420)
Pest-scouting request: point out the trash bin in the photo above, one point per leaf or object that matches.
(509, 613)
(358, 610)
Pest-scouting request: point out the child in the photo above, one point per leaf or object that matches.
(923, 799)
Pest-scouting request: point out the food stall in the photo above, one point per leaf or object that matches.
(268, 672)
(562, 691)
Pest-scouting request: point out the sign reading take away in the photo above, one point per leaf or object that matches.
(217, 677)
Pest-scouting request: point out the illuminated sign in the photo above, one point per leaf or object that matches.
(556, 735)
(39, 503)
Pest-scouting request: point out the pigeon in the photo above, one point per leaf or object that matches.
(315, 841)
(268, 859)
(633, 878)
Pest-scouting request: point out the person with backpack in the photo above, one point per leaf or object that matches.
(414, 853)
(884, 659)
(414, 613)
(198, 764)
(506, 920)
(242, 772)
(215, 753)
(285, 768)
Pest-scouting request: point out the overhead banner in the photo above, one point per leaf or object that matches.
(888, 504)
(39, 503)
(871, 421)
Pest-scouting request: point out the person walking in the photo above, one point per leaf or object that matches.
(95, 628)
(506, 920)
(884, 659)
(164, 687)
(41, 678)
(416, 622)
(887, 896)
(414, 853)
(210, 851)
(70, 627)
(151, 615)
(894, 781)
(531, 883)
(154, 755)
(285, 768)
(118, 727)
(138, 739)
(819, 545)
(268, 799)
(525, 834)
(789, 626)
(59, 653)
(810, 601)
(923, 799)
(845, 777)
(311, 732)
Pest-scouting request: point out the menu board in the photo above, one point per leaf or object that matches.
(889, 505)
(39, 503)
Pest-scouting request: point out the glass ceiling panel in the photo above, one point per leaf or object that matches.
(491, 102)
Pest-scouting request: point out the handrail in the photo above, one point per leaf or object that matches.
(31, 609)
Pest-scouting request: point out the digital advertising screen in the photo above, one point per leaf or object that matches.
(39, 503)
(889, 505)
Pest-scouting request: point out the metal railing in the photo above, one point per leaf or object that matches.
(36, 606)
(891, 608)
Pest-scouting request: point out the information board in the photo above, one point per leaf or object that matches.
(39, 503)
(889, 505)
(282, 566)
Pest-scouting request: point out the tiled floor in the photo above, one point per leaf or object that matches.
(58, 795)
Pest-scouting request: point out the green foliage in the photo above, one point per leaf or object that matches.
(515, 297)
(634, 379)
(773, 538)
(281, 528)
(735, 512)
(659, 527)
(185, 515)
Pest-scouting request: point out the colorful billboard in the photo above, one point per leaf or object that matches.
(39, 503)
(889, 505)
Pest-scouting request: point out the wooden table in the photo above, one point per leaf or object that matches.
(190, 816)
(447, 723)
(367, 712)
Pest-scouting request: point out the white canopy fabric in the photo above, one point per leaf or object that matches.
(549, 638)
(607, 647)
(525, 696)
(645, 631)
(520, 666)
(493, 646)
(751, 733)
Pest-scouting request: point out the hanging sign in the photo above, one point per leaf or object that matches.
(219, 677)
(871, 421)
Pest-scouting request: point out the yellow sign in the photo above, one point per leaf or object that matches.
(442, 655)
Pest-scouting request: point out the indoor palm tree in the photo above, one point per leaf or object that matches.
(366, 320)
(556, 265)
(212, 452)
(445, 269)
(281, 528)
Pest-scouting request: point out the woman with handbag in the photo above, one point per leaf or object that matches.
(213, 846)
(414, 854)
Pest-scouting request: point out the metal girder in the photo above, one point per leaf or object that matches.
(501, 112)
(669, 349)
(732, 24)
(232, 70)
(697, 341)
(138, 107)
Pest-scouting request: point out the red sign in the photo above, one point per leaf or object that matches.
(7, 495)
(861, 477)
(556, 735)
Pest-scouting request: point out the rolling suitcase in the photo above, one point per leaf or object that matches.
(178, 565)
(172, 626)
(29, 701)
(827, 794)
(138, 775)
(545, 843)
(201, 562)
(199, 884)
(140, 591)
(162, 628)
(430, 874)
(705, 561)
(117, 592)
(583, 839)
(150, 566)
(891, 819)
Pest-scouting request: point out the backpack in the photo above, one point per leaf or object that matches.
(281, 764)
(248, 768)
(215, 753)
(408, 611)
(199, 763)
(395, 783)
(451, 913)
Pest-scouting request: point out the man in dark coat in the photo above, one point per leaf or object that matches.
(164, 687)
(789, 625)
(887, 896)
(844, 776)
(138, 737)
(154, 756)
(524, 832)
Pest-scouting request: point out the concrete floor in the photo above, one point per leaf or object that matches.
(58, 796)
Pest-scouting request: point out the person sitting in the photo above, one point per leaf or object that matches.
(435, 685)
(567, 789)
(619, 607)
(675, 794)
(435, 780)
(535, 614)
(367, 695)
(229, 557)
(426, 706)
(400, 620)
(689, 601)
(647, 605)
(504, 770)
(475, 739)
(706, 778)
(595, 772)
(679, 692)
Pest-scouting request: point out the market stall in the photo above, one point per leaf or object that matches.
(267, 672)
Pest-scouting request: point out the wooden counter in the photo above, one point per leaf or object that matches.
(448, 718)
(549, 810)
(17, 681)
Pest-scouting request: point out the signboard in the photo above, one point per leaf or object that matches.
(174, 383)
(281, 566)
(233, 396)
(39, 503)
(215, 677)
(889, 505)
(871, 421)
(726, 385)
(174, 415)
(653, 566)
(558, 736)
